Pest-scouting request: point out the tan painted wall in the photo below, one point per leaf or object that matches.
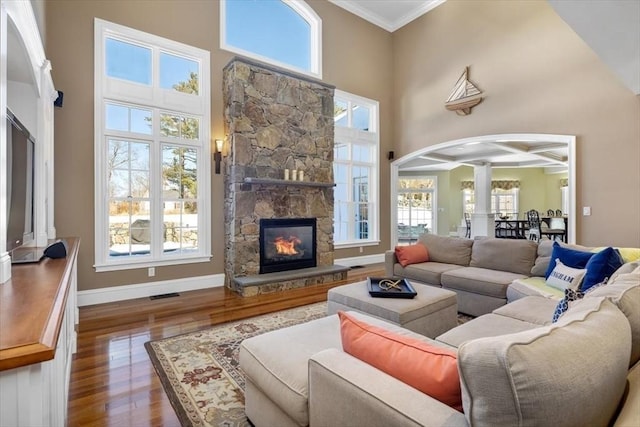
(356, 59)
(537, 74)
(538, 77)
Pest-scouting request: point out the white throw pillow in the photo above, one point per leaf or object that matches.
(563, 277)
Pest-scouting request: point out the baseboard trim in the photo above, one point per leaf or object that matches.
(360, 260)
(142, 290)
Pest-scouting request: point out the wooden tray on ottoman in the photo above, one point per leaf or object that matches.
(402, 288)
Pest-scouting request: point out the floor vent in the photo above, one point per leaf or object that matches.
(161, 296)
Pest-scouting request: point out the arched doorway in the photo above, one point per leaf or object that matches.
(552, 153)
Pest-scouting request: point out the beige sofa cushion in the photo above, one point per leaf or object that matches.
(564, 374)
(448, 250)
(516, 256)
(481, 281)
(425, 272)
(625, 293)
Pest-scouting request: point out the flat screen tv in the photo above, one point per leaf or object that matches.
(20, 163)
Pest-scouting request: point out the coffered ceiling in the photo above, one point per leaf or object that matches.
(515, 153)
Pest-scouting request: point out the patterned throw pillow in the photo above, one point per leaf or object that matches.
(563, 305)
(571, 295)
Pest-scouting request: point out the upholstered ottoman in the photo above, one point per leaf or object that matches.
(276, 363)
(430, 313)
(275, 367)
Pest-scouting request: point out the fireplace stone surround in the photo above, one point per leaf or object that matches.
(276, 120)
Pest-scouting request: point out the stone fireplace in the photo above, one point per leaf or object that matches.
(276, 120)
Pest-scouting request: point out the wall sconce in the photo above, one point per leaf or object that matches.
(217, 154)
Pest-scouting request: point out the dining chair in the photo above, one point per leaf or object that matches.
(558, 212)
(533, 217)
(467, 222)
(536, 231)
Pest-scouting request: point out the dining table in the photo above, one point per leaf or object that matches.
(511, 228)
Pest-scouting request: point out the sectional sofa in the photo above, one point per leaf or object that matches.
(515, 368)
(485, 273)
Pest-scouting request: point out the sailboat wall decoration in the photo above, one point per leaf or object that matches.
(464, 96)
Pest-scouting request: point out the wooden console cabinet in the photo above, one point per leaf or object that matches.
(38, 318)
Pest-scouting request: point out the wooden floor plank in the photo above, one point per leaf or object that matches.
(113, 382)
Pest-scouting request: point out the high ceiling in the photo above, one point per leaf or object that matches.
(388, 14)
(610, 27)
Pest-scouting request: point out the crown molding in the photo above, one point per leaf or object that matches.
(390, 25)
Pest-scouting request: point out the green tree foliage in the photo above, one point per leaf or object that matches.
(191, 86)
(179, 163)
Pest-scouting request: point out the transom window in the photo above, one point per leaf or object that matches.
(152, 150)
(285, 33)
(355, 170)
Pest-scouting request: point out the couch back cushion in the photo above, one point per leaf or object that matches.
(566, 374)
(545, 247)
(448, 250)
(624, 291)
(515, 256)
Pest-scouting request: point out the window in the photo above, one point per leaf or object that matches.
(152, 150)
(416, 207)
(504, 197)
(284, 33)
(355, 169)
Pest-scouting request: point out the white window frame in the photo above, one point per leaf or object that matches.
(315, 49)
(434, 197)
(515, 193)
(350, 135)
(113, 90)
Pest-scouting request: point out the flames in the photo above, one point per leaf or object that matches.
(286, 246)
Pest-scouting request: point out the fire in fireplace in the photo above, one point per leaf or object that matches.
(287, 244)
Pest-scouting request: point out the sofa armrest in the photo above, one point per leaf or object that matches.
(629, 414)
(390, 260)
(343, 389)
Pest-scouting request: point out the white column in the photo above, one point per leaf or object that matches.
(482, 220)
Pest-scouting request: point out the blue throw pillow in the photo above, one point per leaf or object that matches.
(569, 257)
(600, 267)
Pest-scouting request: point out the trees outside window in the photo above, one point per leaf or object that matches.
(355, 169)
(416, 207)
(152, 150)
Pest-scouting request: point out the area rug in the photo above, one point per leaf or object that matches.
(199, 370)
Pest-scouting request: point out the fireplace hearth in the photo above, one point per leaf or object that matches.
(287, 244)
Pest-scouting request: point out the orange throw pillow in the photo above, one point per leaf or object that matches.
(412, 254)
(432, 370)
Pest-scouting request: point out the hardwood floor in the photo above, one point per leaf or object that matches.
(113, 382)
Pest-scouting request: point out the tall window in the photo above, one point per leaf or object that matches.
(285, 33)
(152, 150)
(416, 207)
(355, 170)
